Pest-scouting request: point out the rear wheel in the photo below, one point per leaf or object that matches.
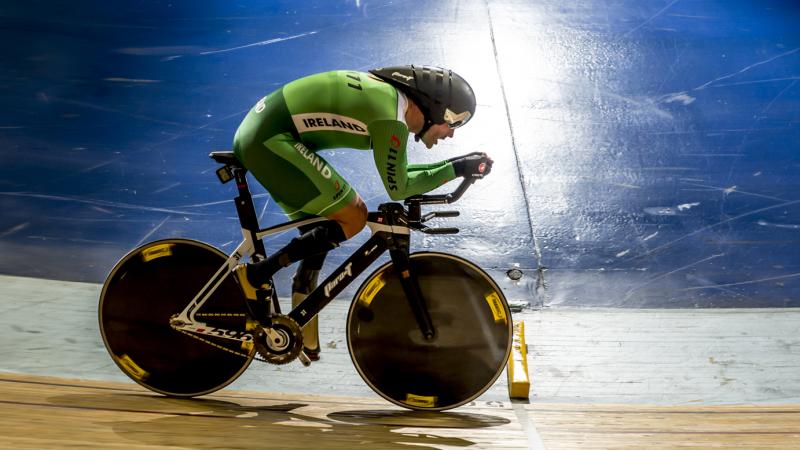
(144, 290)
(473, 337)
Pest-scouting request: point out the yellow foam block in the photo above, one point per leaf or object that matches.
(519, 384)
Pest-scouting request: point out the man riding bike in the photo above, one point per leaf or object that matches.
(279, 139)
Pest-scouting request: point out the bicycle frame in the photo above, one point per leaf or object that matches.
(390, 231)
(174, 319)
(386, 235)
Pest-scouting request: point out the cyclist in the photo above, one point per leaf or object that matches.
(279, 139)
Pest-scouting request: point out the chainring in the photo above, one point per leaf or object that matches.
(288, 344)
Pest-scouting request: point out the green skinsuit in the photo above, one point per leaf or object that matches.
(279, 139)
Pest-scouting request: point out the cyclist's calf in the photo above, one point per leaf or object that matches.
(305, 278)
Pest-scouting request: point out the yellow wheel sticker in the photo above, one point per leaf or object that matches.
(498, 311)
(248, 346)
(156, 251)
(420, 400)
(132, 368)
(372, 290)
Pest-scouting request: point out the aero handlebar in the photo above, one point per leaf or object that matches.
(442, 199)
(416, 218)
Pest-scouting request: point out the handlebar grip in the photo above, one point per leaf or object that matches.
(441, 231)
(446, 213)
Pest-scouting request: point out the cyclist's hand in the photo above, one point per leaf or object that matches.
(473, 165)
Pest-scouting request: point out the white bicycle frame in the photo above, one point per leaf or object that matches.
(186, 320)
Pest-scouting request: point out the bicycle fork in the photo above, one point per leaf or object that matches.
(399, 245)
(416, 301)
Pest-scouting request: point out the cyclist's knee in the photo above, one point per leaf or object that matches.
(352, 218)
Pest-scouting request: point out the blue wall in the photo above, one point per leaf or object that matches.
(646, 152)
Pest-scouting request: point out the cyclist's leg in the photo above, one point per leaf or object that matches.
(302, 183)
(304, 282)
(352, 219)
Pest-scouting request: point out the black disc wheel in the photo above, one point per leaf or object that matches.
(472, 342)
(144, 290)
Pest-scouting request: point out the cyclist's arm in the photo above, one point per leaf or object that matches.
(389, 139)
(429, 166)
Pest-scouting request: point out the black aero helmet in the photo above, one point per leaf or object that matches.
(441, 94)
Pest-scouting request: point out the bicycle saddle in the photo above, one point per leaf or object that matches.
(225, 157)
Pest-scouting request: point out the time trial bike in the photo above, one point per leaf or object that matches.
(426, 330)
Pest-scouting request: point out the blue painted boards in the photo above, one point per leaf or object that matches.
(646, 152)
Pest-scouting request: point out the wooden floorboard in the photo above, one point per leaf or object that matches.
(642, 426)
(49, 412)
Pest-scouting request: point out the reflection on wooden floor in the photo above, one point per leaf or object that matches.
(42, 412)
(45, 412)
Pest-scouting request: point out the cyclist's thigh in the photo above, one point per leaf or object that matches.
(299, 180)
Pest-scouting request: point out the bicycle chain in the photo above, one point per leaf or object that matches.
(214, 344)
(220, 314)
(257, 355)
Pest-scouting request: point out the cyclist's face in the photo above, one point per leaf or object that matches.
(436, 132)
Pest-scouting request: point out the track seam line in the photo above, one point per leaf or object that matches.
(537, 252)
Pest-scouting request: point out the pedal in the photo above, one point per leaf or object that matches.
(304, 359)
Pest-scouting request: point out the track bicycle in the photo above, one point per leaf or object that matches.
(426, 330)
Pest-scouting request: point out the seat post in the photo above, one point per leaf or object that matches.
(247, 212)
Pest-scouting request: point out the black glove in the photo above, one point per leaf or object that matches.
(475, 164)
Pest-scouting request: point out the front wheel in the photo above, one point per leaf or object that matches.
(473, 333)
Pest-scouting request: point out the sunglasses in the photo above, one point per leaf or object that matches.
(454, 120)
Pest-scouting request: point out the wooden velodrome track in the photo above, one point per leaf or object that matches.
(596, 378)
(46, 412)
